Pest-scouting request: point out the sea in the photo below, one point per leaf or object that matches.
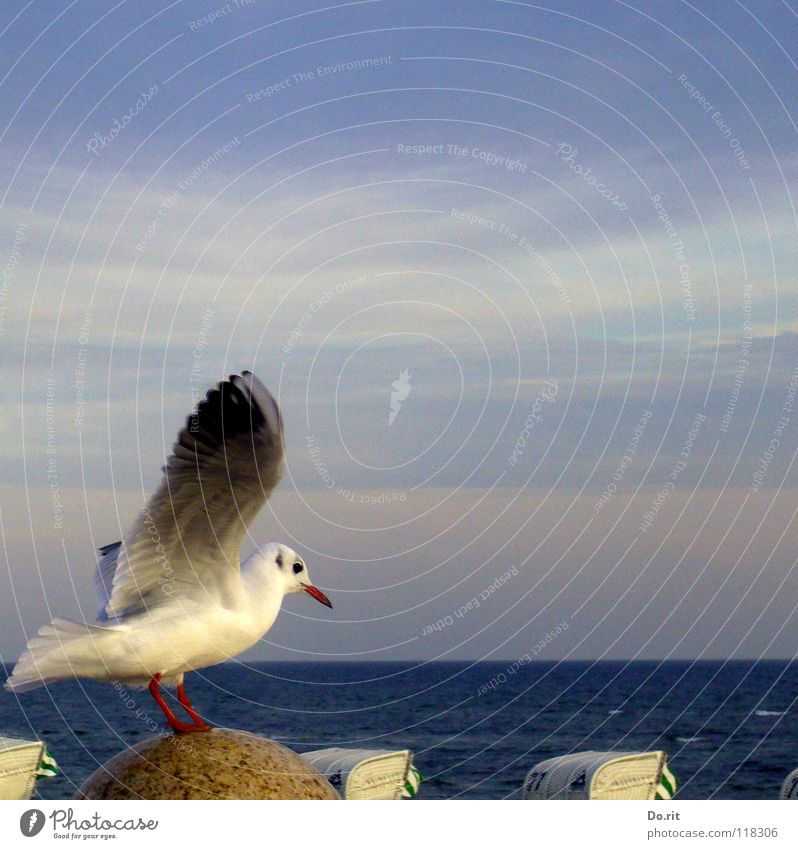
(475, 728)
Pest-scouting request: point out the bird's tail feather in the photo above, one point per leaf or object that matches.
(56, 652)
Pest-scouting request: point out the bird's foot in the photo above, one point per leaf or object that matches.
(189, 709)
(176, 724)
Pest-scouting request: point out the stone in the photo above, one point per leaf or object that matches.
(219, 764)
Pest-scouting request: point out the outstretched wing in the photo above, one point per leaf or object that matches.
(186, 541)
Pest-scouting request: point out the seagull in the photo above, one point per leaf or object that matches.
(173, 596)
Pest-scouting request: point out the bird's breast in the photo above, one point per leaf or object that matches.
(194, 639)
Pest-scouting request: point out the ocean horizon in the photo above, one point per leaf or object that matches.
(475, 728)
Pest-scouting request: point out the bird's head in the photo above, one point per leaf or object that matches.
(290, 571)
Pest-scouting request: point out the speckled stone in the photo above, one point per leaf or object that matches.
(220, 764)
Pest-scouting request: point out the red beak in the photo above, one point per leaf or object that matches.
(316, 593)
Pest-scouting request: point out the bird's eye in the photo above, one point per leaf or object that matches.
(298, 567)
(280, 560)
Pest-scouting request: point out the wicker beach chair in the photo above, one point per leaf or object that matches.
(20, 761)
(789, 790)
(367, 773)
(602, 775)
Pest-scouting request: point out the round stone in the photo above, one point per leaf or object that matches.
(219, 764)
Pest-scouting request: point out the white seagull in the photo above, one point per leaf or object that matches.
(173, 595)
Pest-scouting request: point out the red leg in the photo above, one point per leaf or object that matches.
(189, 708)
(174, 722)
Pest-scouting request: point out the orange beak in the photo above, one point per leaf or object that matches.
(316, 593)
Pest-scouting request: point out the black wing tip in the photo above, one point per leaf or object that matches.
(104, 549)
(228, 410)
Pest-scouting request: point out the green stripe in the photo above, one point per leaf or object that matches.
(412, 783)
(668, 784)
(48, 766)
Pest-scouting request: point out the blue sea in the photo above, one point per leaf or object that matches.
(475, 728)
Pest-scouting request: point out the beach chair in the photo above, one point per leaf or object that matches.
(21, 762)
(602, 775)
(367, 773)
(789, 790)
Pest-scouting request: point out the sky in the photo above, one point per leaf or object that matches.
(521, 276)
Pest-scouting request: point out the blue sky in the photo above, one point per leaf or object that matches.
(494, 197)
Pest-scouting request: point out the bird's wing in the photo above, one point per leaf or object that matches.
(186, 541)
